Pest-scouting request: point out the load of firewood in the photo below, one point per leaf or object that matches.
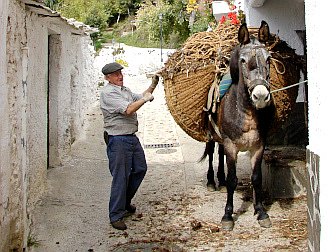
(203, 59)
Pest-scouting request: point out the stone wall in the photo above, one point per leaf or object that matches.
(313, 194)
(48, 83)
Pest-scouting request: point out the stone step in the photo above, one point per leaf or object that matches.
(284, 172)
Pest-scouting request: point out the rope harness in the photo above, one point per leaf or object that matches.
(290, 86)
(261, 55)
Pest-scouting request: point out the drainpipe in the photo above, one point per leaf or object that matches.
(256, 3)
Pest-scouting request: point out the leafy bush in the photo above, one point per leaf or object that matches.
(90, 12)
(164, 19)
(141, 23)
(96, 18)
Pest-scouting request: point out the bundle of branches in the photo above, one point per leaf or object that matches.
(203, 49)
(190, 71)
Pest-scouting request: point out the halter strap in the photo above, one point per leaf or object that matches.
(265, 83)
(258, 56)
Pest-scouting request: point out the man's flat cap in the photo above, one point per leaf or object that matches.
(111, 67)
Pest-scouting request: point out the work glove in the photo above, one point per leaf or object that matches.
(148, 97)
(155, 81)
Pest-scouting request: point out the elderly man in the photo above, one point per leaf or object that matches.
(127, 162)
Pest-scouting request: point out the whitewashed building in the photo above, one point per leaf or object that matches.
(47, 84)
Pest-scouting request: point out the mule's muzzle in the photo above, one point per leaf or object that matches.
(260, 93)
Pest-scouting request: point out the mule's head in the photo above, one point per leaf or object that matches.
(253, 63)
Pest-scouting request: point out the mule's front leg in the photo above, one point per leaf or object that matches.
(256, 179)
(231, 184)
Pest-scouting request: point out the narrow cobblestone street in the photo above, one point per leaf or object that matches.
(175, 212)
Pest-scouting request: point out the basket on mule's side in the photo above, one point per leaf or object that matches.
(284, 71)
(191, 70)
(186, 96)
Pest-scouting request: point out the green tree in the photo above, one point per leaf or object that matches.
(90, 12)
(203, 16)
(119, 9)
(96, 16)
(174, 20)
(53, 4)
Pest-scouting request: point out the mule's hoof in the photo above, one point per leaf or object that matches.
(265, 223)
(211, 188)
(222, 188)
(227, 225)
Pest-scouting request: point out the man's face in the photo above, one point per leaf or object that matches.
(116, 78)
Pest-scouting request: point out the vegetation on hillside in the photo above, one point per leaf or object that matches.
(143, 23)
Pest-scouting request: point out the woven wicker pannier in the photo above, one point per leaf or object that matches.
(186, 96)
(186, 91)
(284, 71)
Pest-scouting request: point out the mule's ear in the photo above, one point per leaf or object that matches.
(264, 32)
(243, 35)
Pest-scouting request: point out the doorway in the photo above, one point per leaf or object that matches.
(52, 99)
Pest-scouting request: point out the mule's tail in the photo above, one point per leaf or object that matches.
(205, 154)
(209, 149)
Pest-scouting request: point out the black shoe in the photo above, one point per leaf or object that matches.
(119, 224)
(130, 209)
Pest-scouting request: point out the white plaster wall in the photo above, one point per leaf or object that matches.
(85, 84)
(23, 107)
(37, 106)
(283, 17)
(322, 90)
(67, 62)
(4, 130)
(72, 84)
(77, 88)
(14, 221)
(55, 49)
(91, 78)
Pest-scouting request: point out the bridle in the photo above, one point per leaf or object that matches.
(262, 67)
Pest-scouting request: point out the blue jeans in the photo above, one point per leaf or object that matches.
(127, 164)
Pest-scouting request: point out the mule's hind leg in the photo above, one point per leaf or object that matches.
(231, 184)
(256, 179)
(221, 171)
(211, 184)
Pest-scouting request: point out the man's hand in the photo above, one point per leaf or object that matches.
(155, 81)
(148, 97)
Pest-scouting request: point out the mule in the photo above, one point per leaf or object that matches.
(244, 116)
